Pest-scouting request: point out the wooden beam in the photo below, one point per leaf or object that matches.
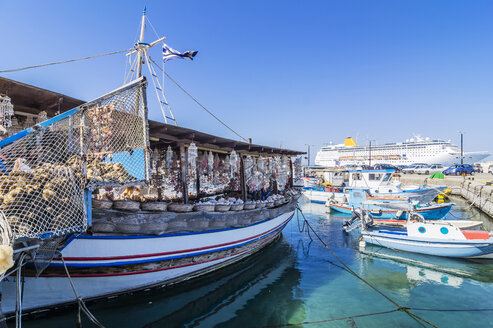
(243, 180)
(183, 166)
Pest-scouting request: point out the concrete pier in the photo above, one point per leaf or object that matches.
(476, 189)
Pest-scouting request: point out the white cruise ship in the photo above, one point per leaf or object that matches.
(415, 150)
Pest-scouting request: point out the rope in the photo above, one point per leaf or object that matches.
(452, 310)
(197, 102)
(80, 301)
(348, 269)
(19, 292)
(333, 319)
(62, 62)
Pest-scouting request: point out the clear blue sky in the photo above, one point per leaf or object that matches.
(284, 72)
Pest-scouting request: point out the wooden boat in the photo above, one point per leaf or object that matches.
(105, 264)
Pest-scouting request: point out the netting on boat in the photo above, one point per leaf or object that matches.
(44, 170)
(116, 139)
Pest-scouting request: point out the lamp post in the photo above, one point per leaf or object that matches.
(369, 150)
(308, 152)
(461, 146)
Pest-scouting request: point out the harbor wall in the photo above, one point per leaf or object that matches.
(477, 191)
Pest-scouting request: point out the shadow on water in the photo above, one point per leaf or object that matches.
(212, 300)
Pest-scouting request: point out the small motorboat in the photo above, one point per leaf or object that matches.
(389, 207)
(419, 236)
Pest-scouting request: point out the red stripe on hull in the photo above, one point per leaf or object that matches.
(168, 253)
(161, 269)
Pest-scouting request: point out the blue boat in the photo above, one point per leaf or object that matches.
(389, 207)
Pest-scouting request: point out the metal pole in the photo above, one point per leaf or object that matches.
(141, 39)
(308, 155)
(292, 173)
(462, 148)
(369, 158)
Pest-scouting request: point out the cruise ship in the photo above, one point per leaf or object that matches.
(414, 150)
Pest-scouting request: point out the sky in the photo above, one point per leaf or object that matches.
(284, 73)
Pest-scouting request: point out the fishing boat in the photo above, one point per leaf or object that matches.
(381, 182)
(389, 207)
(431, 238)
(101, 201)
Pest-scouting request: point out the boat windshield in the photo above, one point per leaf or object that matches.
(386, 177)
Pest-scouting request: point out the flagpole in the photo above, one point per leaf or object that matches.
(140, 49)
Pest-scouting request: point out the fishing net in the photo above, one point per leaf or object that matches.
(45, 170)
(116, 139)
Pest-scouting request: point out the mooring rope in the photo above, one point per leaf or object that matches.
(332, 319)
(19, 292)
(80, 301)
(348, 269)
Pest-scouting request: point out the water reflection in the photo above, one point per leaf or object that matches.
(217, 299)
(441, 270)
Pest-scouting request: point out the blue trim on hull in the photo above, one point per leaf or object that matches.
(433, 214)
(166, 258)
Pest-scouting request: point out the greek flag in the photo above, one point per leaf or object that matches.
(169, 53)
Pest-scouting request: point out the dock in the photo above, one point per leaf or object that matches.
(477, 189)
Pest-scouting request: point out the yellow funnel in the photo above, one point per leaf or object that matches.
(350, 142)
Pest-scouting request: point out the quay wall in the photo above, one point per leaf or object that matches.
(475, 189)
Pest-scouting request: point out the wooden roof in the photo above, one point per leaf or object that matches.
(30, 99)
(170, 134)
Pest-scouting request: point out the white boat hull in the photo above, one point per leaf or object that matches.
(107, 265)
(321, 197)
(430, 246)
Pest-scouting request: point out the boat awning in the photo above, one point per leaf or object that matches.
(31, 100)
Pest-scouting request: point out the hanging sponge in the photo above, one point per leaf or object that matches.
(6, 258)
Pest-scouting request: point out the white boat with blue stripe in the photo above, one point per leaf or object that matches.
(433, 238)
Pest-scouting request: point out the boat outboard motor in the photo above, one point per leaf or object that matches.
(357, 215)
(416, 217)
(367, 220)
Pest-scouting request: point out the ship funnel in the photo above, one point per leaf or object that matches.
(350, 142)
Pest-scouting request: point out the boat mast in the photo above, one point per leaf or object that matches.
(140, 44)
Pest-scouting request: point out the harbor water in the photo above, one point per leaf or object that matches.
(297, 280)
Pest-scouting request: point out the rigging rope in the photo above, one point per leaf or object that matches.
(196, 101)
(62, 62)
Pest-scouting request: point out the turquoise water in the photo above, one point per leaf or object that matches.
(297, 280)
